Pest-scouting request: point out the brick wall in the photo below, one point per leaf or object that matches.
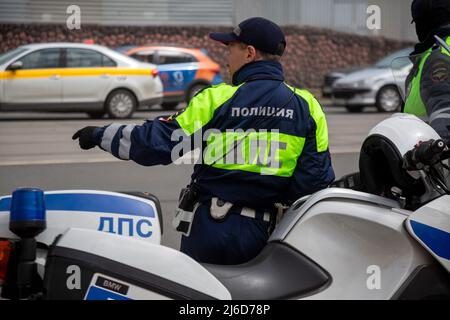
(310, 53)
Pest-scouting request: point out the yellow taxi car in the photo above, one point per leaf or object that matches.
(76, 77)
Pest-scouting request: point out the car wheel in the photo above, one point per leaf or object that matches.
(120, 104)
(354, 109)
(389, 99)
(96, 115)
(194, 90)
(169, 105)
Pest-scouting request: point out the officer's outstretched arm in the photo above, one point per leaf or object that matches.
(163, 140)
(147, 144)
(435, 92)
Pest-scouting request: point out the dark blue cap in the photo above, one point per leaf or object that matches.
(27, 204)
(261, 33)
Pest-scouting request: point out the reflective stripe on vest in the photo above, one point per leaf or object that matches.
(264, 152)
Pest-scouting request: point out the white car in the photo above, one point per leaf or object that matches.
(378, 85)
(75, 77)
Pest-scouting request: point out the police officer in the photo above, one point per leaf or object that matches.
(234, 200)
(428, 84)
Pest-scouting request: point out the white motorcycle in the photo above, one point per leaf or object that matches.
(383, 233)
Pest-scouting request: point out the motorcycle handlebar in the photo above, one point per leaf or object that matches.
(426, 153)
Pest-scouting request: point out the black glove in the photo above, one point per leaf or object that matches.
(86, 138)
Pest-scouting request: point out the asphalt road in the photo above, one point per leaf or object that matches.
(37, 150)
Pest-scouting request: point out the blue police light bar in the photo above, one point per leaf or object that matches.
(27, 204)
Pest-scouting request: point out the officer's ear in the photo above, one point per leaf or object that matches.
(251, 53)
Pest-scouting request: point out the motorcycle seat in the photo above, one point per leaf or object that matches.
(278, 272)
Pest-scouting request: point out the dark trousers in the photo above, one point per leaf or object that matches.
(234, 240)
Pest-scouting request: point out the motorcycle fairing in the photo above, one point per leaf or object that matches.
(112, 212)
(150, 271)
(302, 205)
(430, 226)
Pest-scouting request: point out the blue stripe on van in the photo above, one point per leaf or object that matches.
(91, 202)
